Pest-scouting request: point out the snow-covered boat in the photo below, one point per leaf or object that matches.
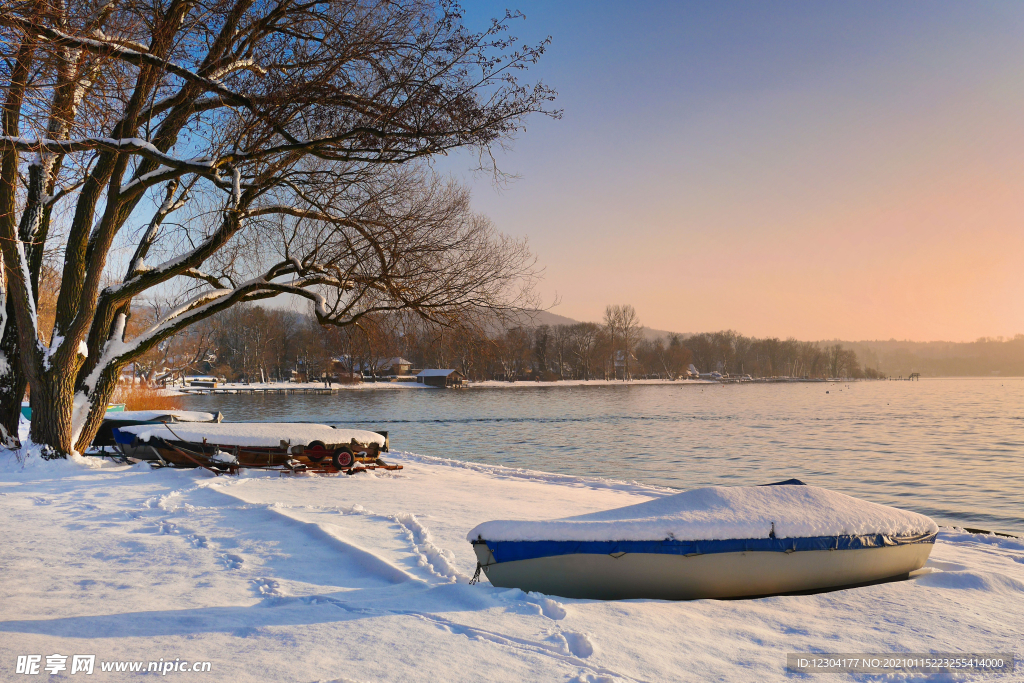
(126, 418)
(247, 444)
(716, 542)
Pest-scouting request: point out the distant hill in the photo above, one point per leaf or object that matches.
(535, 318)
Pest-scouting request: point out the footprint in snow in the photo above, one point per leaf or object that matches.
(548, 607)
(573, 643)
(946, 566)
(165, 527)
(266, 587)
(231, 561)
(532, 603)
(588, 677)
(198, 541)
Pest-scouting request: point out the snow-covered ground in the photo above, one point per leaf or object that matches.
(366, 578)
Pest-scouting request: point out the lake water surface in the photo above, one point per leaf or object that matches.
(949, 448)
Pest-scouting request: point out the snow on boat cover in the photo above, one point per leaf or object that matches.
(254, 435)
(716, 542)
(725, 514)
(140, 415)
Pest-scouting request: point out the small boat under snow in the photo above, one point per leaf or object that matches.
(716, 542)
(294, 445)
(128, 418)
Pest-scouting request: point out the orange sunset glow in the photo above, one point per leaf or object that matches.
(839, 171)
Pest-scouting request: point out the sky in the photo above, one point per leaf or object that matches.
(818, 170)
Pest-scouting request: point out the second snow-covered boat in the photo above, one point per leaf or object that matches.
(716, 542)
(249, 444)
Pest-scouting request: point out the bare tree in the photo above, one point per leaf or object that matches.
(238, 150)
(623, 326)
(561, 338)
(541, 348)
(631, 331)
(176, 356)
(512, 348)
(834, 360)
(661, 359)
(584, 343)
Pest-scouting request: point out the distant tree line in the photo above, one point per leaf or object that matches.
(733, 353)
(255, 344)
(984, 357)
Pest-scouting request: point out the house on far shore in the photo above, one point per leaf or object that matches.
(381, 367)
(440, 378)
(396, 366)
(199, 381)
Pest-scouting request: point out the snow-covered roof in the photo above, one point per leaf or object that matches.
(255, 434)
(435, 373)
(179, 415)
(721, 513)
(389, 362)
(381, 364)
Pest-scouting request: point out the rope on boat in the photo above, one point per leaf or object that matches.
(185, 453)
(476, 575)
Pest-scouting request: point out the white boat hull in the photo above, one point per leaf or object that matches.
(714, 575)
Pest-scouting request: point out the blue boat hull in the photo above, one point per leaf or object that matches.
(670, 570)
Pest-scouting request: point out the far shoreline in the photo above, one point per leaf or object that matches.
(238, 388)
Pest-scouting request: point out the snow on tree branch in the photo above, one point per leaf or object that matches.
(136, 145)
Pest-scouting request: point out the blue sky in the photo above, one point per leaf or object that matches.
(810, 169)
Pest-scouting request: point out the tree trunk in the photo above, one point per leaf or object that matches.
(53, 416)
(12, 385)
(52, 401)
(12, 380)
(104, 390)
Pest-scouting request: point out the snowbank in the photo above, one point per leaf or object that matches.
(365, 578)
(252, 434)
(27, 461)
(720, 513)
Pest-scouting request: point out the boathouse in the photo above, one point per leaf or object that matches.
(440, 378)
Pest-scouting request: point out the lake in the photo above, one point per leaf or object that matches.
(949, 448)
